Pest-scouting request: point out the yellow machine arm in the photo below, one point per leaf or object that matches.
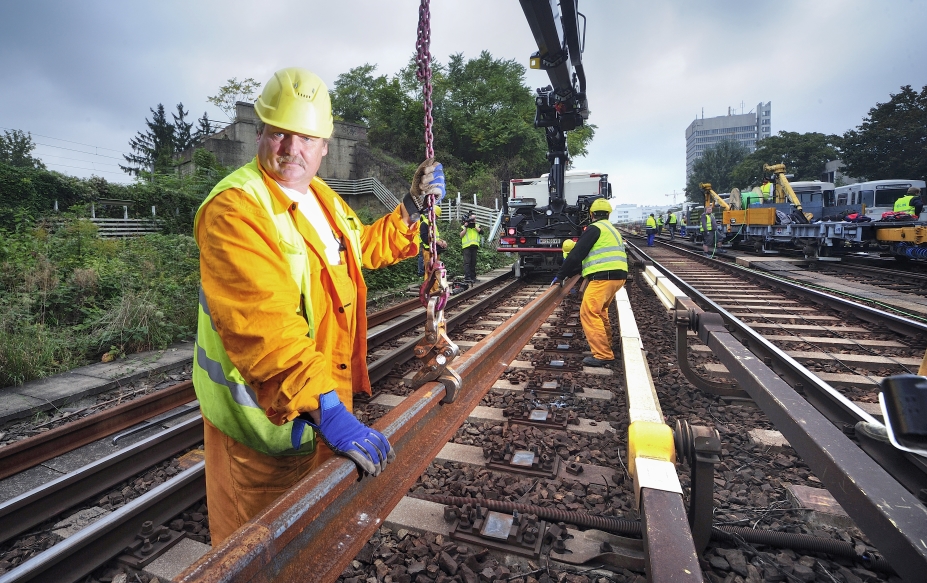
(783, 190)
(711, 195)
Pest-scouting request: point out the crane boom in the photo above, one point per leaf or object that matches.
(562, 105)
(711, 195)
(784, 189)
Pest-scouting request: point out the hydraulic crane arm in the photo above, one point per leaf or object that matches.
(783, 189)
(561, 106)
(712, 196)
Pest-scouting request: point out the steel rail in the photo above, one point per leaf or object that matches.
(382, 366)
(32, 451)
(314, 530)
(908, 469)
(894, 322)
(890, 515)
(38, 505)
(72, 559)
(417, 317)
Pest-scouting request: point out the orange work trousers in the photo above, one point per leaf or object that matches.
(593, 315)
(241, 482)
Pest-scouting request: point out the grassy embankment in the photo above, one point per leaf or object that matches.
(68, 298)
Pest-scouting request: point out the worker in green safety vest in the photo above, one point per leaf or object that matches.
(600, 256)
(911, 203)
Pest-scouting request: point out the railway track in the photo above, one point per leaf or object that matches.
(732, 311)
(528, 401)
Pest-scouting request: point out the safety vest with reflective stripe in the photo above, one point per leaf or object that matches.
(903, 205)
(607, 254)
(707, 223)
(672, 219)
(224, 395)
(765, 190)
(470, 238)
(651, 223)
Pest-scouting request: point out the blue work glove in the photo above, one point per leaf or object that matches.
(556, 281)
(345, 435)
(428, 179)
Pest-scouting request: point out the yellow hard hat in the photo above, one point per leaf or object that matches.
(600, 205)
(437, 211)
(296, 100)
(568, 245)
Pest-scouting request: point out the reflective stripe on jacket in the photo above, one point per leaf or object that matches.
(278, 326)
(707, 223)
(903, 205)
(607, 254)
(470, 238)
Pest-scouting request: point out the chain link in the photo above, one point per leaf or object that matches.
(436, 279)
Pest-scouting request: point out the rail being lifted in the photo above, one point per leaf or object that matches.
(876, 497)
(326, 519)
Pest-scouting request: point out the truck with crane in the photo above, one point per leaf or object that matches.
(540, 213)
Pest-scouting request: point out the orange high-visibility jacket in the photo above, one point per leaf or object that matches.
(253, 298)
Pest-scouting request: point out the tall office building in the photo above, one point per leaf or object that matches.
(746, 128)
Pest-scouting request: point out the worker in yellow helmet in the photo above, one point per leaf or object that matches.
(281, 336)
(567, 247)
(600, 256)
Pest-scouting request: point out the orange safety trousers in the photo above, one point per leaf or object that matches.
(593, 315)
(241, 482)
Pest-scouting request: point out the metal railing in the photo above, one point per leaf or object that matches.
(362, 187)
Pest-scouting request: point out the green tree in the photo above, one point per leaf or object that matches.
(804, 156)
(892, 140)
(578, 141)
(183, 135)
(153, 150)
(232, 92)
(16, 150)
(204, 128)
(715, 166)
(353, 92)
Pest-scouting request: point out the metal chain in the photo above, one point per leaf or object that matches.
(436, 279)
(435, 349)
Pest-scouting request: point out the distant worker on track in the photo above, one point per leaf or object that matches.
(911, 203)
(766, 190)
(660, 225)
(470, 233)
(671, 221)
(281, 340)
(707, 228)
(600, 256)
(651, 229)
(567, 247)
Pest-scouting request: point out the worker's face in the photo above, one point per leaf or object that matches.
(291, 159)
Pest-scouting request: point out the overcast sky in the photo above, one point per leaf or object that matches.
(83, 75)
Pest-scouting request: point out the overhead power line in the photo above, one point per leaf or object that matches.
(63, 140)
(80, 151)
(89, 169)
(79, 160)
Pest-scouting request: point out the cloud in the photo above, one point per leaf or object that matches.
(89, 71)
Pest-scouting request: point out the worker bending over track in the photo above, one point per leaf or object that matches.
(282, 333)
(600, 255)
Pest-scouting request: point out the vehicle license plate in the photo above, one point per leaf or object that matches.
(548, 241)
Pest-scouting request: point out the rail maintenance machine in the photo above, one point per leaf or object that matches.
(540, 213)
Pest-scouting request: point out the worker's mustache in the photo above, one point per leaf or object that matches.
(291, 160)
